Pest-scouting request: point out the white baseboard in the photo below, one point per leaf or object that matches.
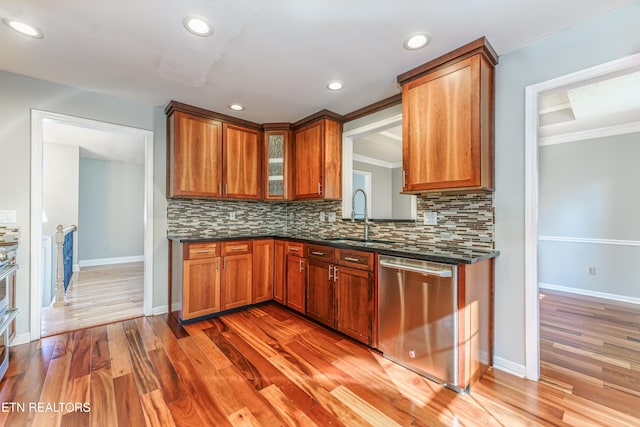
(509, 367)
(76, 267)
(20, 339)
(605, 295)
(160, 310)
(109, 261)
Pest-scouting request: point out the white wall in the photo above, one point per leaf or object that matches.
(587, 191)
(111, 209)
(19, 95)
(599, 40)
(380, 189)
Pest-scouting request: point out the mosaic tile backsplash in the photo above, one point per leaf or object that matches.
(464, 219)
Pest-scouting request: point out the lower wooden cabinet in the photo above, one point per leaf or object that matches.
(263, 269)
(354, 303)
(320, 291)
(296, 275)
(201, 287)
(279, 271)
(237, 276)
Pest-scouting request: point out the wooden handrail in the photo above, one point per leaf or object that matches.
(61, 232)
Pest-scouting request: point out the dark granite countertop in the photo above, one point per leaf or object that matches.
(408, 249)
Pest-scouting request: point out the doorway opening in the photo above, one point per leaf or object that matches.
(533, 136)
(105, 189)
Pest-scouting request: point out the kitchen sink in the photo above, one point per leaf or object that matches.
(348, 240)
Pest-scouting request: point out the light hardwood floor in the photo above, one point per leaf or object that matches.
(264, 366)
(96, 296)
(590, 348)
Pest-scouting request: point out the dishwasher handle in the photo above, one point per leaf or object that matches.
(439, 273)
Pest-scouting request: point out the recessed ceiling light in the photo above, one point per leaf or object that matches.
(416, 41)
(198, 26)
(236, 107)
(23, 28)
(335, 85)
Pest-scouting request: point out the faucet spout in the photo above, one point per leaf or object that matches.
(366, 212)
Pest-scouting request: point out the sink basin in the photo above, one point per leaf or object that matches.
(355, 240)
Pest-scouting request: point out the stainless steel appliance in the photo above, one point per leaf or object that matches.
(417, 317)
(7, 266)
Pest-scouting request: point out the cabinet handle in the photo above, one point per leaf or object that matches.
(319, 188)
(404, 177)
(348, 258)
(294, 249)
(238, 248)
(220, 187)
(204, 251)
(330, 272)
(226, 189)
(317, 253)
(301, 262)
(224, 264)
(335, 273)
(218, 264)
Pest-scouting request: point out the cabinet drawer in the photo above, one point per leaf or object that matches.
(355, 259)
(201, 250)
(236, 248)
(295, 248)
(320, 253)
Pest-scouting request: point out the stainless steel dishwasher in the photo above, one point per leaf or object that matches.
(417, 317)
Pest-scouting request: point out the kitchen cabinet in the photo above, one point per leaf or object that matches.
(263, 269)
(354, 294)
(195, 283)
(296, 276)
(277, 162)
(211, 155)
(320, 283)
(194, 156)
(242, 162)
(317, 160)
(447, 121)
(279, 271)
(237, 274)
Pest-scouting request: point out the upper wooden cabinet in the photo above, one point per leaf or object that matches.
(212, 155)
(194, 156)
(317, 160)
(242, 162)
(447, 110)
(277, 162)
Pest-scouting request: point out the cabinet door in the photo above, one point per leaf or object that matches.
(354, 303)
(296, 273)
(242, 162)
(201, 287)
(195, 156)
(262, 270)
(308, 161)
(441, 128)
(236, 281)
(277, 167)
(279, 269)
(320, 292)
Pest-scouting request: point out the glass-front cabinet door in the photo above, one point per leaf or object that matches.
(276, 168)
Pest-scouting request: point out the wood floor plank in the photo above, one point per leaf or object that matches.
(141, 365)
(170, 384)
(76, 419)
(155, 410)
(128, 406)
(52, 391)
(100, 355)
(119, 350)
(103, 399)
(291, 414)
(186, 413)
(81, 358)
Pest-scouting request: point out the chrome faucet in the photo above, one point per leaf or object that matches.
(366, 213)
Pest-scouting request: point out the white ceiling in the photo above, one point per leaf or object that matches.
(607, 101)
(383, 148)
(94, 143)
(274, 57)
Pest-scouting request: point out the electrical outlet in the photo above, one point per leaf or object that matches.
(430, 218)
(591, 271)
(232, 216)
(321, 216)
(332, 217)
